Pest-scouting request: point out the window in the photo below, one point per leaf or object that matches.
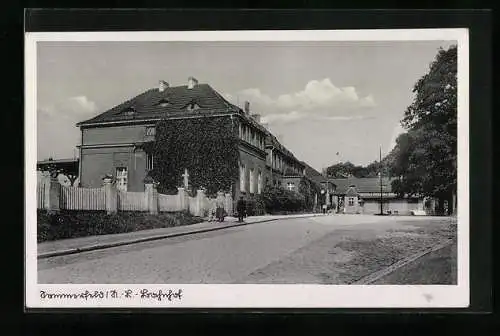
(149, 161)
(193, 106)
(121, 178)
(290, 186)
(164, 103)
(252, 181)
(351, 201)
(242, 178)
(150, 131)
(129, 111)
(259, 183)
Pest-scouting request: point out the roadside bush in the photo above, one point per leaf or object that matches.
(279, 200)
(255, 206)
(72, 224)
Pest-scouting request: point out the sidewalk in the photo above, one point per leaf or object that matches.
(76, 245)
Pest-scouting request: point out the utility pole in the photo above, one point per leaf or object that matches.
(380, 176)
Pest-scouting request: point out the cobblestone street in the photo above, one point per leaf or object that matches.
(324, 250)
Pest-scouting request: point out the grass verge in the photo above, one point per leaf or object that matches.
(73, 224)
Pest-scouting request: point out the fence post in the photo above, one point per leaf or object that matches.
(111, 197)
(52, 190)
(200, 198)
(152, 197)
(181, 199)
(228, 204)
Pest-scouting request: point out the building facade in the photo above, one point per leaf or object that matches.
(115, 142)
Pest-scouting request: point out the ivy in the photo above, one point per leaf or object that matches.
(207, 147)
(308, 189)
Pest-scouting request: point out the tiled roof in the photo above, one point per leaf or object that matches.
(172, 102)
(49, 161)
(313, 174)
(351, 191)
(363, 185)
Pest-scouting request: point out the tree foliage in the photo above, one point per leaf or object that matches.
(207, 147)
(69, 172)
(346, 169)
(425, 157)
(278, 199)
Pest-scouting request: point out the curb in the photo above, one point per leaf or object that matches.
(146, 239)
(370, 278)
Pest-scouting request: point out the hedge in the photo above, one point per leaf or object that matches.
(280, 200)
(72, 224)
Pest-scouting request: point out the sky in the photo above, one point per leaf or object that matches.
(319, 98)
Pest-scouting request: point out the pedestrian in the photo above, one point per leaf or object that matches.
(240, 208)
(324, 208)
(211, 214)
(219, 207)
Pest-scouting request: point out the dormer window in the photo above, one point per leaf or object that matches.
(193, 106)
(129, 111)
(164, 103)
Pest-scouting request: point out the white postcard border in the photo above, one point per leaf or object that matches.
(254, 296)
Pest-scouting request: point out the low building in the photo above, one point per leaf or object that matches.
(65, 170)
(364, 196)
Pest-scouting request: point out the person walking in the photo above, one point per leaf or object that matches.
(219, 208)
(240, 208)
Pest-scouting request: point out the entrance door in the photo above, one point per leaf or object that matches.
(121, 178)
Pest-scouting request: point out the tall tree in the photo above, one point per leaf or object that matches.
(345, 169)
(425, 157)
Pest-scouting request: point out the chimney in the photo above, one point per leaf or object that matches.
(247, 107)
(162, 86)
(192, 82)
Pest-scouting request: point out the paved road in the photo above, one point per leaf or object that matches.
(328, 250)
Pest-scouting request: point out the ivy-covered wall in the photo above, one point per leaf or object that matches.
(207, 147)
(309, 189)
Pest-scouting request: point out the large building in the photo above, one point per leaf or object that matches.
(113, 143)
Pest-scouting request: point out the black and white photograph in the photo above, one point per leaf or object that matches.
(248, 169)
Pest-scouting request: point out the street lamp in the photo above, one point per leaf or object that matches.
(380, 178)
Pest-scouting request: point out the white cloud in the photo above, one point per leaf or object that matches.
(318, 99)
(282, 117)
(256, 96)
(57, 134)
(82, 103)
(71, 108)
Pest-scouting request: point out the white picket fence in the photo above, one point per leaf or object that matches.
(40, 195)
(51, 195)
(73, 198)
(168, 203)
(132, 201)
(192, 204)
